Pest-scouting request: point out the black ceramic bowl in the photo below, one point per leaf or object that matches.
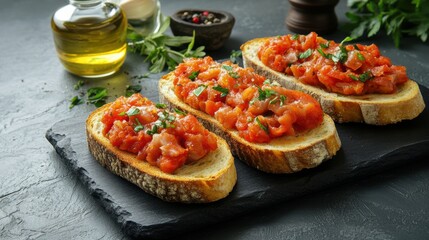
(212, 36)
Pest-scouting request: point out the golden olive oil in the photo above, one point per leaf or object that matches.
(90, 40)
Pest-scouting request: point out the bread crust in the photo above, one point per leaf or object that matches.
(282, 155)
(376, 109)
(189, 184)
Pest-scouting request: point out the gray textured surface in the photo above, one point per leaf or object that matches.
(41, 199)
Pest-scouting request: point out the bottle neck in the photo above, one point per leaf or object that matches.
(86, 3)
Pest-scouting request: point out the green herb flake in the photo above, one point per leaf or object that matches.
(197, 91)
(131, 89)
(230, 71)
(360, 56)
(161, 105)
(97, 96)
(180, 112)
(262, 126)
(365, 76)
(138, 126)
(194, 75)
(305, 54)
(235, 55)
(264, 94)
(295, 37)
(153, 131)
(78, 85)
(347, 39)
(224, 91)
(133, 111)
(282, 100)
(353, 77)
(75, 101)
(325, 45)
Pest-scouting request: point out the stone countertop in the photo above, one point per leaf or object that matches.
(41, 199)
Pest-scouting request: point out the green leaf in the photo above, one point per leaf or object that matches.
(160, 105)
(75, 101)
(374, 26)
(262, 126)
(197, 92)
(131, 89)
(194, 75)
(223, 91)
(305, 54)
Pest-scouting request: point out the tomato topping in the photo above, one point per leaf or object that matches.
(242, 100)
(346, 69)
(163, 139)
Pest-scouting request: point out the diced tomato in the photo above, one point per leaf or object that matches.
(239, 99)
(348, 64)
(163, 139)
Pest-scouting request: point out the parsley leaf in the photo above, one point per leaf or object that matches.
(266, 93)
(262, 126)
(235, 54)
(396, 18)
(197, 91)
(97, 96)
(194, 75)
(305, 54)
(161, 49)
(75, 101)
(223, 91)
(131, 89)
(78, 85)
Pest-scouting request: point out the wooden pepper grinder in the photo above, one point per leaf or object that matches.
(305, 16)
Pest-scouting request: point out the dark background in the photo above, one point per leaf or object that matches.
(41, 199)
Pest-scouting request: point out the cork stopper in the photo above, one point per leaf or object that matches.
(305, 16)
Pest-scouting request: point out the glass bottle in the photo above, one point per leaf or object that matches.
(143, 15)
(90, 37)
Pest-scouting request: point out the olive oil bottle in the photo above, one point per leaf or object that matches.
(90, 37)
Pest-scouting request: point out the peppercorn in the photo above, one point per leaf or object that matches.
(204, 17)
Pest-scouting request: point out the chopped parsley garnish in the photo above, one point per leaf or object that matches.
(295, 37)
(138, 126)
(325, 45)
(230, 71)
(235, 54)
(197, 92)
(360, 56)
(262, 126)
(362, 77)
(131, 89)
(223, 91)
(305, 54)
(131, 112)
(340, 56)
(160, 105)
(264, 94)
(154, 130)
(277, 99)
(165, 121)
(194, 75)
(180, 112)
(97, 96)
(75, 101)
(78, 85)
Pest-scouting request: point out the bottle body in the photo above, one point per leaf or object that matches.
(90, 38)
(143, 15)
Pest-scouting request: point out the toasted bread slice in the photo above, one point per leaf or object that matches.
(376, 109)
(206, 180)
(281, 155)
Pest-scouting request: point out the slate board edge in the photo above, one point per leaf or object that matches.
(168, 229)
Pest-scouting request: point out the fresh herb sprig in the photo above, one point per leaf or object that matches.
(159, 48)
(396, 17)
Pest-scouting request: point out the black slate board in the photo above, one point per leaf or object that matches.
(365, 150)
